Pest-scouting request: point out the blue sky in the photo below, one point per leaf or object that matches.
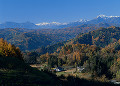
(37, 11)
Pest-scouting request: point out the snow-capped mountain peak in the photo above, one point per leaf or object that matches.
(51, 23)
(101, 16)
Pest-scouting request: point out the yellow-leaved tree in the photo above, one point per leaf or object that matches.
(9, 50)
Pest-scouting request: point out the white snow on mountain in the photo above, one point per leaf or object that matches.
(51, 23)
(83, 20)
(104, 16)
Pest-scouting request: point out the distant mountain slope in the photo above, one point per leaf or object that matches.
(27, 25)
(71, 32)
(26, 40)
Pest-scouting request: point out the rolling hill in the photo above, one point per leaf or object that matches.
(101, 37)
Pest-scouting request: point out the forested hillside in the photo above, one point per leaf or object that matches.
(101, 37)
(14, 72)
(101, 63)
(96, 51)
(27, 39)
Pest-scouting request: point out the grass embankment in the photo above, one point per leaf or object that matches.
(14, 72)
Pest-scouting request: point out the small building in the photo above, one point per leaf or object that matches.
(58, 69)
(80, 69)
(114, 81)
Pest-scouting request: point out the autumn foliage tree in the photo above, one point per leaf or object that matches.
(9, 50)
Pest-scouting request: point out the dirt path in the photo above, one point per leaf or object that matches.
(71, 70)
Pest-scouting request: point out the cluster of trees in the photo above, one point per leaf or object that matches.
(96, 60)
(8, 50)
(10, 56)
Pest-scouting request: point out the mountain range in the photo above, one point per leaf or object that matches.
(110, 20)
(27, 37)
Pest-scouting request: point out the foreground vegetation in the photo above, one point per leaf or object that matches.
(101, 63)
(14, 72)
